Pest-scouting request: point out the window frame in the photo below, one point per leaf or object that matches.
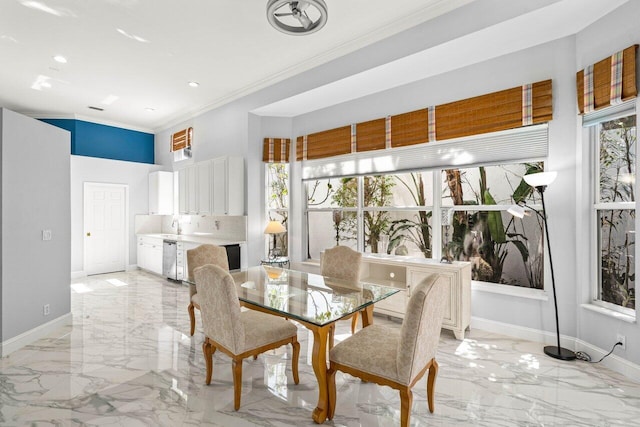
(269, 210)
(596, 206)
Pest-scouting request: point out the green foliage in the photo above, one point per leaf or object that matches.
(417, 230)
(377, 193)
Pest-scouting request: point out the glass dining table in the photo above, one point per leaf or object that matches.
(315, 302)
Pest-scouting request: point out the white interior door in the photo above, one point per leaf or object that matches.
(104, 228)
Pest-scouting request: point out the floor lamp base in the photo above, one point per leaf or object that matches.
(559, 353)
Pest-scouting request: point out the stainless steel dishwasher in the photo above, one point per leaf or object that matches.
(169, 259)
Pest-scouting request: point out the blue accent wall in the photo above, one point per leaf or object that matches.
(107, 142)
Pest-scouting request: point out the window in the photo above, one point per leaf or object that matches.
(277, 203)
(476, 226)
(614, 211)
(393, 214)
(377, 213)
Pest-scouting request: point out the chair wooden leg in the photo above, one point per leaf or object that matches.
(331, 380)
(406, 399)
(208, 350)
(354, 322)
(332, 332)
(431, 383)
(192, 317)
(294, 360)
(237, 382)
(255, 357)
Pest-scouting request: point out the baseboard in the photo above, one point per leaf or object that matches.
(613, 362)
(78, 274)
(131, 267)
(12, 344)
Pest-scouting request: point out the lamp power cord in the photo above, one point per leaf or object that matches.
(581, 355)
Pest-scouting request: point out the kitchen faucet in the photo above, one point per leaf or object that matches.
(173, 224)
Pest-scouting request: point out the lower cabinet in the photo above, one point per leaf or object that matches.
(150, 254)
(407, 273)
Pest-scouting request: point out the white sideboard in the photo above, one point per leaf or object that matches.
(406, 272)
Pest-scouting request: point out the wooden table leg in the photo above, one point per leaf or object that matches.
(367, 316)
(319, 362)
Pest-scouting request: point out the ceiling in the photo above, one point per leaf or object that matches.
(135, 58)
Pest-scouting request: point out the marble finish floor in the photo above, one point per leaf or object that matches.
(127, 360)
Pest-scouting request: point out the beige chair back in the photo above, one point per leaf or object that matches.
(220, 307)
(341, 262)
(205, 254)
(421, 326)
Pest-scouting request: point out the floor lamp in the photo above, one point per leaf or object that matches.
(540, 181)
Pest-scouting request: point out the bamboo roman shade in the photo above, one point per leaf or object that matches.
(276, 150)
(607, 82)
(507, 109)
(181, 139)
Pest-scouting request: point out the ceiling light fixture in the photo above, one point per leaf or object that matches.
(297, 17)
(61, 59)
(194, 84)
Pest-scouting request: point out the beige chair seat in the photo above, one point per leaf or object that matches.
(262, 329)
(373, 349)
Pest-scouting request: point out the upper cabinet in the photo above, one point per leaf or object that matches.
(212, 187)
(161, 193)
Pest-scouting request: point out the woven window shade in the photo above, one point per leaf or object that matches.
(370, 135)
(492, 112)
(276, 150)
(602, 80)
(410, 128)
(473, 116)
(328, 143)
(181, 139)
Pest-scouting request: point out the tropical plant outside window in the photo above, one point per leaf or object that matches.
(615, 211)
(278, 202)
(477, 227)
(394, 215)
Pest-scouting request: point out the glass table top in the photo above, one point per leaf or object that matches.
(312, 298)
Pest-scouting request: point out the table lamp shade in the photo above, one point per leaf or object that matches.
(274, 227)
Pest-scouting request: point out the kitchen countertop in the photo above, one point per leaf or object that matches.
(193, 238)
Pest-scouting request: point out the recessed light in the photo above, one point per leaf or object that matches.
(61, 59)
(194, 84)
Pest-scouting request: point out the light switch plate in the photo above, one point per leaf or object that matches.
(46, 234)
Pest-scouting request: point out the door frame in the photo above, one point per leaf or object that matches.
(85, 186)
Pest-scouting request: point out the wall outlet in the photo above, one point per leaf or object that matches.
(621, 338)
(46, 234)
(46, 310)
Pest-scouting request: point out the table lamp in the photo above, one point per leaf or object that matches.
(273, 228)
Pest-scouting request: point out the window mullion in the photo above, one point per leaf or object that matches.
(360, 215)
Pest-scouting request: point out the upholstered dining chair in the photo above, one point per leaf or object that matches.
(394, 357)
(203, 254)
(238, 334)
(343, 263)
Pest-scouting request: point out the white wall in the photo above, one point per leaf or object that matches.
(91, 169)
(35, 197)
(614, 32)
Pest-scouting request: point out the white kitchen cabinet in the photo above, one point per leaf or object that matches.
(182, 191)
(204, 176)
(150, 254)
(161, 193)
(228, 186)
(192, 190)
(212, 187)
(405, 273)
